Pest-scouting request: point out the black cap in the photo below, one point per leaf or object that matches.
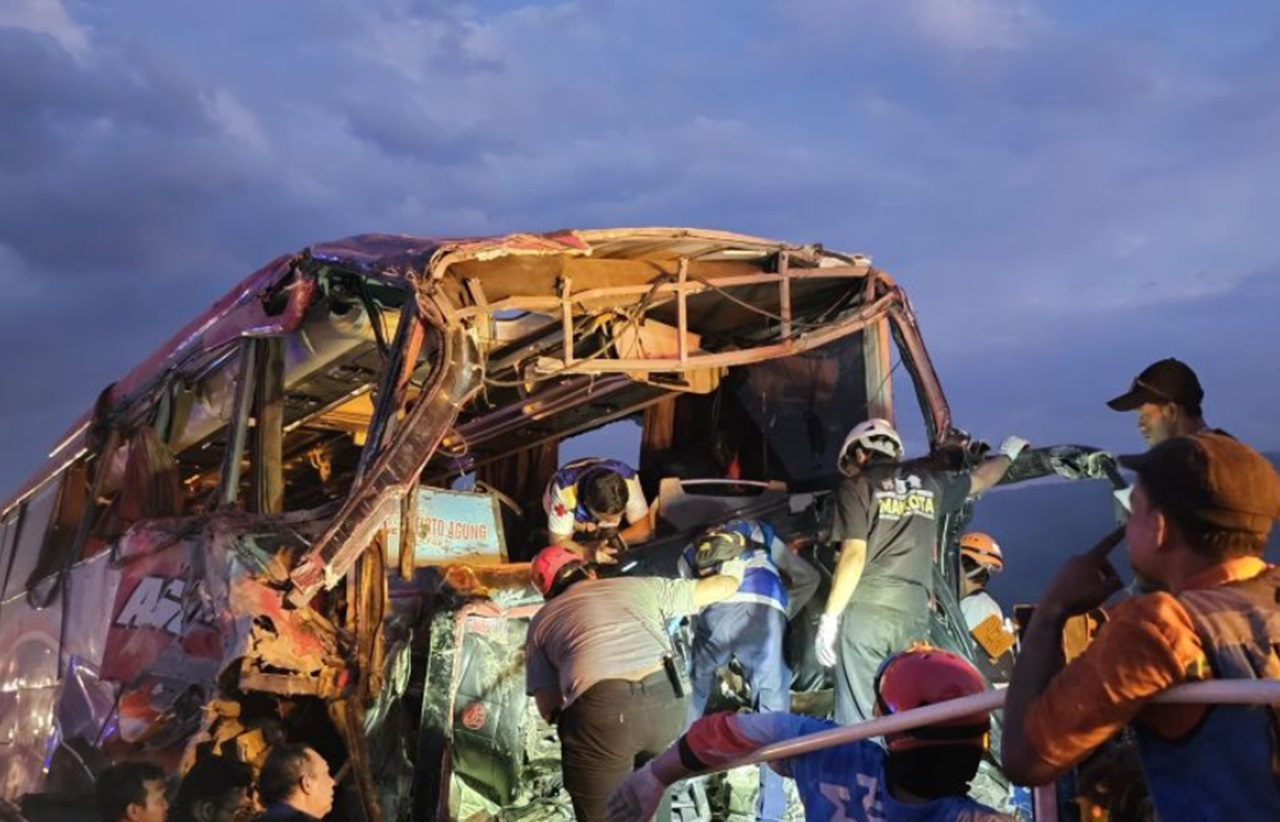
(1166, 381)
(1212, 479)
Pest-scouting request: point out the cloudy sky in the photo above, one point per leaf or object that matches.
(1069, 190)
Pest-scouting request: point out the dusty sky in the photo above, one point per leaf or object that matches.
(1068, 190)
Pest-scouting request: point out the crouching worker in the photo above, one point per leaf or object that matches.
(748, 626)
(600, 666)
(923, 776)
(588, 501)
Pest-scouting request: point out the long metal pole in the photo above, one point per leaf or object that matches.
(1227, 691)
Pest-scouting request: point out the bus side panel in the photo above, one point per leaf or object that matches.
(28, 692)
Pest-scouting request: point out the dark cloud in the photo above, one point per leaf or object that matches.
(402, 131)
(1066, 192)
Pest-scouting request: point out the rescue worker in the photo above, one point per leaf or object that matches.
(1202, 509)
(587, 501)
(922, 777)
(601, 667)
(749, 625)
(1167, 396)
(886, 521)
(980, 558)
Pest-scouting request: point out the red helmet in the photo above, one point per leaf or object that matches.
(982, 550)
(923, 675)
(548, 564)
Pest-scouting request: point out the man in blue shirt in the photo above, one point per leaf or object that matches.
(923, 776)
(749, 625)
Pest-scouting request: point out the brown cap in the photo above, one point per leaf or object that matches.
(1211, 479)
(1165, 381)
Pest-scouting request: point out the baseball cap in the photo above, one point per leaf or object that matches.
(1212, 479)
(1169, 380)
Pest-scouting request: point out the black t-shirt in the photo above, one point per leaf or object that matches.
(895, 507)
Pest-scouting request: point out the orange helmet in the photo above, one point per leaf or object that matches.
(983, 551)
(547, 565)
(923, 675)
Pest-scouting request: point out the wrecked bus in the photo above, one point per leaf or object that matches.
(255, 534)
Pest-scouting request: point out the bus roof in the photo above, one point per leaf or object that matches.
(273, 299)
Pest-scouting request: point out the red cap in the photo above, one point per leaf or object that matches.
(548, 564)
(923, 675)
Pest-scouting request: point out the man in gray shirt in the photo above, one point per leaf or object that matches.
(594, 664)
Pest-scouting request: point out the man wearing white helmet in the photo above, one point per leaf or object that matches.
(886, 521)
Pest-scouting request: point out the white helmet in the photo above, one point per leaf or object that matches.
(875, 434)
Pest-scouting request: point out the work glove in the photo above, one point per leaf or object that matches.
(637, 798)
(735, 568)
(825, 644)
(1012, 447)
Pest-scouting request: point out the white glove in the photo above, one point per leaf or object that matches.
(1012, 447)
(735, 568)
(637, 798)
(825, 645)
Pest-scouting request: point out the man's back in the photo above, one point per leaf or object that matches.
(606, 629)
(897, 508)
(848, 782)
(284, 813)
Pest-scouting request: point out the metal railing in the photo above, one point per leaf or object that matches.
(1225, 692)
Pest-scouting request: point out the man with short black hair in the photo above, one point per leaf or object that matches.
(1202, 509)
(1167, 396)
(216, 789)
(132, 792)
(295, 785)
(590, 498)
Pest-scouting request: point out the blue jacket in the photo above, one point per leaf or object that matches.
(761, 584)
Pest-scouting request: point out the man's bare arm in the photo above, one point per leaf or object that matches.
(550, 702)
(638, 532)
(853, 558)
(988, 474)
(714, 589)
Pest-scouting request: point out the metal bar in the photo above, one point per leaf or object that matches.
(1044, 803)
(229, 481)
(476, 289)
(510, 417)
(566, 318)
(877, 350)
(1220, 692)
(390, 387)
(465, 465)
(267, 461)
(933, 402)
(533, 303)
(682, 312)
(728, 359)
(784, 292)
